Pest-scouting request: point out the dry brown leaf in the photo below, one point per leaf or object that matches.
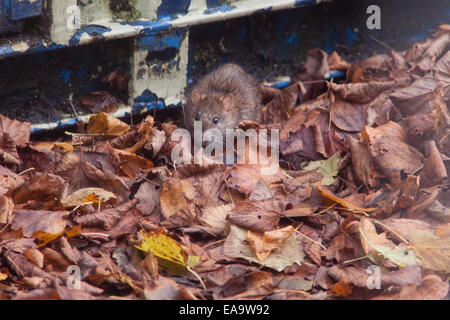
(100, 101)
(263, 245)
(432, 288)
(388, 147)
(6, 210)
(46, 221)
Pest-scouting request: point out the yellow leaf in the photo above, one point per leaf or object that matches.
(74, 231)
(44, 237)
(170, 254)
(342, 201)
(3, 276)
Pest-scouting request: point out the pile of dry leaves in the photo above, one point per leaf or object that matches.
(359, 207)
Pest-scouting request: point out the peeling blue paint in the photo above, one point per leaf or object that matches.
(159, 43)
(147, 100)
(335, 74)
(330, 75)
(6, 24)
(13, 12)
(150, 26)
(169, 8)
(213, 3)
(281, 84)
(222, 8)
(22, 9)
(92, 30)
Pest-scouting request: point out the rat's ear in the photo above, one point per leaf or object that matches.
(196, 96)
(228, 102)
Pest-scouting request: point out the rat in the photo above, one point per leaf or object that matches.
(223, 98)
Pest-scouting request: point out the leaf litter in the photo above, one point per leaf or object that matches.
(363, 185)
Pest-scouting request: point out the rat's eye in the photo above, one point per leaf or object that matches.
(197, 116)
(215, 119)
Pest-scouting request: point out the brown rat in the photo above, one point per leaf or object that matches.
(223, 98)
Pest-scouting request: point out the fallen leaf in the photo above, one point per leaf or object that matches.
(377, 247)
(432, 288)
(100, 101)
(289, 253)
(263, 245)
(105, 124)
(32, 221)
(169, 253)
(95, 195)
(328, 168)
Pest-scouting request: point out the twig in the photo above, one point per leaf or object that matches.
(74, 110)
(213, 243)
(85, 134)
(325, 210)
(81, 205)
(380, 42)
(148, 180)
(319, 244)
(394, 232)
(87, 234)
(356, 259)
(25, 171)
(182, 109)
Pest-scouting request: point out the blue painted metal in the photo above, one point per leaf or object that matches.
(92, 30)
(22, 9)
(162, 56)
(299, 3)
(6, 24)
(222, 8)
(173, 7)
(331, 75)
(12, 12)
(147, 100)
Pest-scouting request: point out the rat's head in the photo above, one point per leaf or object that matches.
(214, 110)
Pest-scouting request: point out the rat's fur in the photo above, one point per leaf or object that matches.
(229, 93)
